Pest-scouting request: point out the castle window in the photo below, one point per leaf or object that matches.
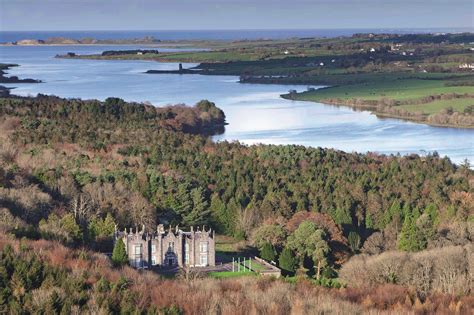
(186, 253)
(153, 248)
(171, 245)
(153, 260)
(138, 249)
(203, 259)
(203, 247)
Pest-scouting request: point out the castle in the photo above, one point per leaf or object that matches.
(172, 248)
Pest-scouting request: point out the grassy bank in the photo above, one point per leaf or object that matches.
(404, 89)
(437, 101)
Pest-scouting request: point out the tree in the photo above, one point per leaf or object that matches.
(182, 204)
(70, 226)
(200, 211)
(309, 241)
(99, 228)
(411, 238)
(287, 261)
(63, 229)
(320, 251)
(269, 233)
(53, 304)
(343, 216)
(354, 241)
(298, 240)
(141, 211)
(268, 252)
(119, 254)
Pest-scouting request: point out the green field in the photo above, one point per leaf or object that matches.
(396, 89)
(411, 94)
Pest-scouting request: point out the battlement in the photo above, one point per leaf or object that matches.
(169, 247)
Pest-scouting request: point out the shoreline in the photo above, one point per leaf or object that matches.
(370, 108)
(202, 70)
(13, 79)
(381, 115)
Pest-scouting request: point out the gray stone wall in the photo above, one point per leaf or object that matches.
(169, 248)
(137, 247)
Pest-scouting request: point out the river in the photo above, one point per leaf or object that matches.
(255, 112)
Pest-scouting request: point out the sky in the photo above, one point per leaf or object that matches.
(38, 15)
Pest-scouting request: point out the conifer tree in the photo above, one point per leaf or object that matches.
(287, 261)
(411, 238)
(199, 212)
(182, 202)
(217, 213)
(71, 228)
(268, 252)
(342, 216)
(320, 252)
(53, 304)
(119, 254)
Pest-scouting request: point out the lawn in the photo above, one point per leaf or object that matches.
(230, 274)
(256, 266)
(402, 89)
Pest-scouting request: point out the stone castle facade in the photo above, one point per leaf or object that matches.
(195, 248)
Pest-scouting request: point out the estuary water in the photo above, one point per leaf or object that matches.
(255, 112)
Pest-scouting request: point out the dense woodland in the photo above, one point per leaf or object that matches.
(72, 169)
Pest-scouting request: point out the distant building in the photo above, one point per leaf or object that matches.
(466, 66)
(169, 248)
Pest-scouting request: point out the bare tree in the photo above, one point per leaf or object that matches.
(82, 207)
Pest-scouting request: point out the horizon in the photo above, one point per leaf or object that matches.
(467, 28)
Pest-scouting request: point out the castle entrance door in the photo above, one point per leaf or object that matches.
(170, 259)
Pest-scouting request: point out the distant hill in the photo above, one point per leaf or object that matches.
(83, 41)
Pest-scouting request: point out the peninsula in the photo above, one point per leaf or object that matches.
(426, 78)
(4, 91)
